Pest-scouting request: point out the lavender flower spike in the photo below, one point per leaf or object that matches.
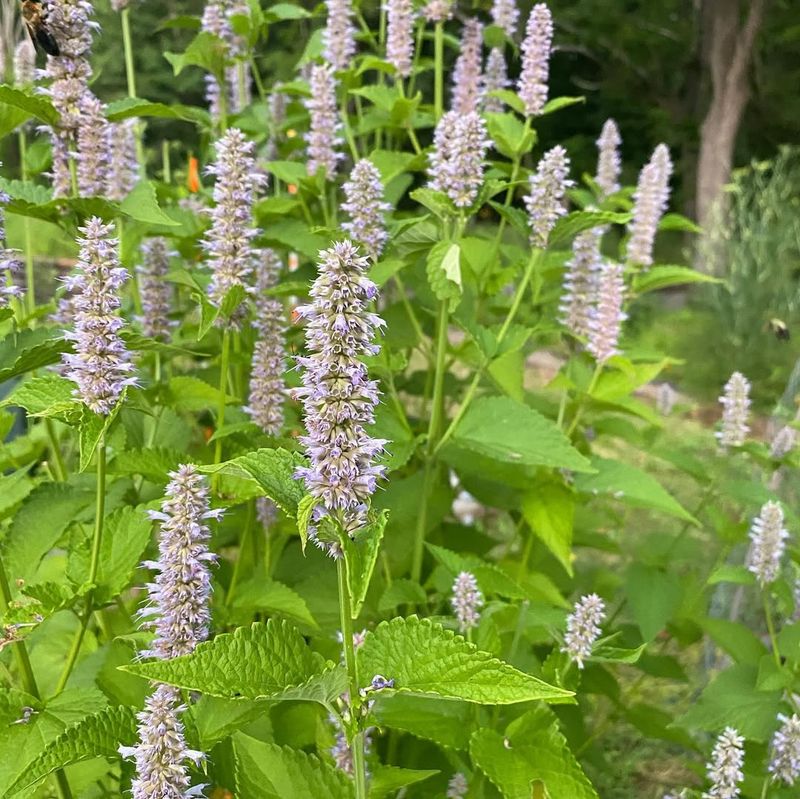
(229, 241)
(609, 164)
(467, 71)
(505, 15)
(607, 316)
(94, 151)
(725, 769)
(466, 601)
(123, 169)
(366, 208)
(495, 78)
(785, 763)
(548, 186)
(101, 365)
(24, 63)
(339, 35)
(768, 543)
(155, 291)
(735, 401)
(783, 442)
(459, 150)
(650, 202)
(532, 86)
(9, 260)
(457, 787)
(583, 628)
(337, 395)
(322, 139)
(400, 35)
(580, 284)
(438, 10)
(267, 387)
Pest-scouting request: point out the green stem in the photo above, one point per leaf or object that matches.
(348, 133)
(517, 162)
(130, 74)
(166, 164)
(59, 469)
(20, 650)
(246, 533)
(598, 370)
(771, 629)
(223, 391)
(417, 54)
(356, 735)
(438, 75)
(30, 277)
(241, 84)
(521, 289)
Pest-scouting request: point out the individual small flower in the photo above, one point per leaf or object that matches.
(768, 543)
(94, 156)
(459, 151)
(266, 513)
(783, 442)
(495, 78)
(579, 292)
(785, 762)
(342, 754)
(400, 35)
(155, 291)
(466, 601)
(650, 202)
(338, 397)
(339, 34)
(725, 769)
(548, 186)
(583, 628)
(505, 15)
(322, 139)
(735, 401)
(123, 168)
(609, 164)
(366, 208)
(467, 71)
(438, 10)
(607, 316)
(532, 86)
(457, 787)
(228, 243)
(467, 509)
(101, 365)
(119, 5)
(665, 399)
(24, 63)
(265, 404)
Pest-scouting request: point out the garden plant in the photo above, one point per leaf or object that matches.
(291, 505)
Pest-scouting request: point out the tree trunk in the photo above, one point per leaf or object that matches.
(728, 52)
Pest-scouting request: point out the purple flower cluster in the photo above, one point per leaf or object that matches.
(365, 206)
(337, 395)
(322, 138)
(456, 164)
(400, 35)
(101, 365)
(580, 284)
(505, 15)
(767, 544)
(9, 260)
(495, 78)
(438, 10)
(467, 71)
(609, 164)
(155, 291)
(650, 202)
(735, 401)
(228, 243)
(267, 387)
(607, 316)
(457, 787)
(94, 153)
(548, 186)
(725, 769)
(339, 34)
(123, 167)
(216, 19)
(785, 763)
(583, 628)
(532, 86)
(466, 601)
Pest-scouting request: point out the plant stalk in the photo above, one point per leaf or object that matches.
(130, 74)
(223, 391)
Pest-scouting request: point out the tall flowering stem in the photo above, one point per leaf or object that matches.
(735, 401)
(725, 768)
(322, 139)
(536, 46)
(339, 34)
(400, 36)
(467, 71)
(130, 74)
(366, 207)
(650, 202)
(583, 628)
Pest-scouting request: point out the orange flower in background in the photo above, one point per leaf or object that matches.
(193, 179)
(291, 188)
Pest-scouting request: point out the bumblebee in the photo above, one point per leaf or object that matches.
(780, 329)
(33, 16)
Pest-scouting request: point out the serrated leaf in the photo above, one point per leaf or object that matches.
(654, 596)
(557, 103)
(296, 235)
(579, 221)
(263, 661)
(549, 510)
(491, 578)
(273, 470)
(205, 50)
(510, 136)
(29, 350)
(188, 393)
(386, 780)
(33, 105)
(446, 722)
(93, 429)
(46, 395)
(361, 555)
(269, 596)
(425, 659)
(268, 771)
(132, 107)
(661, 277)
(142, 205)
(152, 464)
(99, 735)
(505, 430)
(402, 592)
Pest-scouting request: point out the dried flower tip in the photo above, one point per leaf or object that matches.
(650, 202)
(505, 15)
(768, 543)
(339, 34)
(583, 628)
(735, 401)
(548, 186)
(459, 151)
(783, 443)
(466, 601)
(322, 139)
(400, 35)
(725, 769)
(457, 787)
(467, 71)
(155, 291)
(785, 763)
(366, 208)
(609, 164)
(607, 316)
(580, 284)
(532, 86)
(495, 78)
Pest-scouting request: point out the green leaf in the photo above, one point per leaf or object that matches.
(579, 221)
(193, 394)
(444, 272)
(288, 171)
(98, 735)
(741, 643)
(29, 350)
(33, 105)
(505, 430)
(296, 235)
(13, 489)
(402, 592)
(661, 277)
(673, 221)
(510, 136)
(511, 99)
(263, 661)
(557, 103)
(654, 596)
(425, 659)
(386, 780)
(152, 464)
(549, 510)
(142, 205)
(632, 486)
(491, 578)
(268, 596)
(282, 11)
(273, 470)
(46, 395)
(132, 107)
(205, 50)
(216, 719)
(730, 573)
(361, 555)
(533, 751)
(268, 771)
(93, 428)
